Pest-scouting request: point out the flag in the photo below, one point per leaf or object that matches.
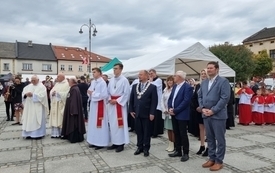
(84, 60)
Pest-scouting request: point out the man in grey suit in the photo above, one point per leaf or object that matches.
(213, 96)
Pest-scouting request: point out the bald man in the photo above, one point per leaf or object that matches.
(35, 110)
(142, 107)
(58, 96)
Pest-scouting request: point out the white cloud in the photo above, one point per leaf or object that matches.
(132, 28)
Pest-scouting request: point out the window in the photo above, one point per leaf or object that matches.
(272, 53)
(6, 67)
(272, 42)
(80, 68)
(88, 67)
(27, 67)
(261, 43)
(70, 68)
(62, 67)
(251, 45)
(46, 67)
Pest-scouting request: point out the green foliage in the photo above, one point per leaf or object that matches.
(239, 58)
(263, 64)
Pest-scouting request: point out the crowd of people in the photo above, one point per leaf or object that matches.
(146, 105)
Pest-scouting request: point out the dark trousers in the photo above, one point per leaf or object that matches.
(131, 122)
(8, 106)
(158, 124)
(49, 104)
(237, 100)
(84, 106)
(215, 131)
(143, 131)
(181, 137)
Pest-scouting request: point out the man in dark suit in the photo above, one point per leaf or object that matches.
(179, 107)
(213, 96)
(142, 107)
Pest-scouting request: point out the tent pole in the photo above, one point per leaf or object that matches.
(189, 66)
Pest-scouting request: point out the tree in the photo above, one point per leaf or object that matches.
(263, 64)
(239, 58)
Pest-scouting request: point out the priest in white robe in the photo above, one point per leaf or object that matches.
(58, 96)
(98, 135)
(119, 91)
(35, 109)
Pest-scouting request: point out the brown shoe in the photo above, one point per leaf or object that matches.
(208, 164)
(216, 167)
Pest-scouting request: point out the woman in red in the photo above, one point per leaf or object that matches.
(258, 108)
(245, 113)
(269, 113)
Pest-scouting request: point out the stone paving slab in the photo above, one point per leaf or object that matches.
(70, 165)
(66, 149)
(259, 138)
(15, 143)
(14, 156)
(235, 142)
(244, 162)
(264, 152)
(152, 169)
(114, 159)
(9, 134)
(16, 169)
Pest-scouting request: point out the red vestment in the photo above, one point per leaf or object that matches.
(257, 110)
(269, 114)
(245, 112)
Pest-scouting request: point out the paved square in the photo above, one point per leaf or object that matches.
(60, 150)
(114, 159)
(259, 138)
(244, 162)
(15, 143)
(153, 169)
(264, 152)
(235, 142)
(193, 166)
(17, 169)
(70, 165)
(10, 135)
(14, 156)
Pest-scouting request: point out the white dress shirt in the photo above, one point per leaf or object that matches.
(176, 91)
(211, 81)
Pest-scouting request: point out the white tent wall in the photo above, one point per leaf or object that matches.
(192, 60)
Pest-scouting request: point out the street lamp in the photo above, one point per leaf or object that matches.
(91, 27)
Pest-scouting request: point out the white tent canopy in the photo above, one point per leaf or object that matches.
(192, 61)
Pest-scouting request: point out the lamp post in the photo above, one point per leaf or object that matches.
(91, 27)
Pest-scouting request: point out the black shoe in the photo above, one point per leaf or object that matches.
(131, 130)
(228, 128)
(98, 148)
(205, 154)
(28, 137)
(120, 148)
(202, 148)
(138, 151)
(37, 138)
(184, 158)
(92, 146)
(8, 120)
(15, 123)
(146, 153)
(154, 136)
(175, 154)
(112, 147)
(12, 119)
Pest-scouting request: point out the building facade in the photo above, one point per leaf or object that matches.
(263, 39)
(75, 61)
(7, 58)
(36, 59)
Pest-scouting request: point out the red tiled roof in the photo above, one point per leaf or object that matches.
(76, 54)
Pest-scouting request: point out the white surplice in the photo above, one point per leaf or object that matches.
(158, 84)
(98, 136)
(118, 86)
(57, 106)
(35, 111)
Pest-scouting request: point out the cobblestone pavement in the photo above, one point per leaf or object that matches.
(249, 149)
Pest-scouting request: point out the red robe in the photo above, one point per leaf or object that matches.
(258, 109)
(269, 114)
(245, 112)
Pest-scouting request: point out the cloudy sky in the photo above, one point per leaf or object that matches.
(130, 28)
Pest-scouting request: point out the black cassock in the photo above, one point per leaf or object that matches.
(73, 126)
(230, 122)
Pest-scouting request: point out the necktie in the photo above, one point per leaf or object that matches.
(142, 86)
